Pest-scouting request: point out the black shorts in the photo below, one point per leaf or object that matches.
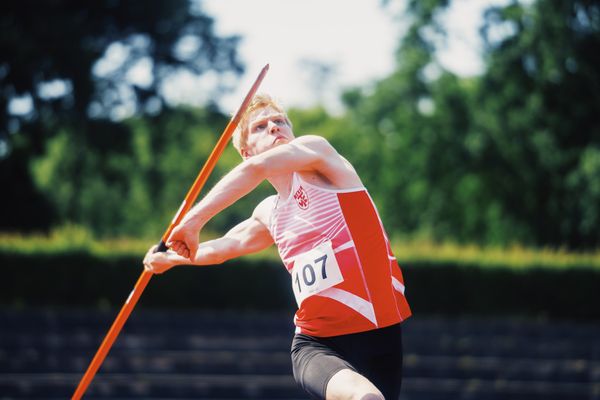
(376, 354)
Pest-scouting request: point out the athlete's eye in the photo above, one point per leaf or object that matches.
(279, 121)
(259, 127)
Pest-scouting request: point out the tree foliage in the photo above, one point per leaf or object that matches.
(90, 49)
(539, 101)
(70, 71)
(510, 156)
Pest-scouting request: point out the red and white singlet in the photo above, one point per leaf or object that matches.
(344, 275)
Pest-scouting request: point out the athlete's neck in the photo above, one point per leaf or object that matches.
(282, 184)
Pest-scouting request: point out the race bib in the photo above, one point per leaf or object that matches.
(315, 271)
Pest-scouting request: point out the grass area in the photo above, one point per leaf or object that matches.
(71, 238)
(514, 256)
(74, 238)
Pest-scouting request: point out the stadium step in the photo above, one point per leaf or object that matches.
(229, 355)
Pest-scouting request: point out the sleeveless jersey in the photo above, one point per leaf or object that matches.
(344, 275)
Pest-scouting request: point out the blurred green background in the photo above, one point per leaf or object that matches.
(489, 187)
(500, 169)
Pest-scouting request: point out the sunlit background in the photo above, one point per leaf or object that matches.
(319, 48)
(474, 125)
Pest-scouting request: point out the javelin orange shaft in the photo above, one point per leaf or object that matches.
(144, 278)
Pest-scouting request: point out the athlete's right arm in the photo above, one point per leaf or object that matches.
(249, 236)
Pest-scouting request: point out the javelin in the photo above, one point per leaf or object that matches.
(144, 278)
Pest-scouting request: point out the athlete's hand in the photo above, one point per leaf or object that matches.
(184, 240)
(157, 263)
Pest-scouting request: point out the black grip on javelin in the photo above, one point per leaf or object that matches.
(162, 247)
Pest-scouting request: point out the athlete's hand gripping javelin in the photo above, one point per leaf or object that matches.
(183, 246)
(184, 238)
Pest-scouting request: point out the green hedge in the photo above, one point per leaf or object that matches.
(84, 279)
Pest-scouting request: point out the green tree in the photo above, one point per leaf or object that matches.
(411, 125)
(511, 156)
(538, 115)
(66, 66)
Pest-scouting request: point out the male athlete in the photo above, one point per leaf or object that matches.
(346, 281)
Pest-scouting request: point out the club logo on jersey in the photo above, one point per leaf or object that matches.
(301, 198)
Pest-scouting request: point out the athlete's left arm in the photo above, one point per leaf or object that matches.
(302, 154)
(306, 153)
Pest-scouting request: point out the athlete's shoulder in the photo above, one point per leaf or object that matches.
(314, 142)
(262, 211)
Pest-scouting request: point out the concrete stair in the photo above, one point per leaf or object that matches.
(243, 355)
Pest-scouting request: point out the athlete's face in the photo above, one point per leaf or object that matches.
(267, 128)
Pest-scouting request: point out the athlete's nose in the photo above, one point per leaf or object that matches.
(273, 127)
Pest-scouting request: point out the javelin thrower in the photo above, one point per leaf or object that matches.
(347, 283)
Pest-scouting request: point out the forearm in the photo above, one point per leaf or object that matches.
(249, 236)
(209, 253)
(236, 184)
(213, 252)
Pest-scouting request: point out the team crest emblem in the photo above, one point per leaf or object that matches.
(301, 198)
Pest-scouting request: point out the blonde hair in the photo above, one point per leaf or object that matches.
(260, 101)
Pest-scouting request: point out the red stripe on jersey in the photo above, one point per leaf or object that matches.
(372, 248)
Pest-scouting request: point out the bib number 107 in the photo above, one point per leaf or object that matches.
(315, 271)
(309, 276)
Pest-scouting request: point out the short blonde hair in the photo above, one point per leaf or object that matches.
(260, 101)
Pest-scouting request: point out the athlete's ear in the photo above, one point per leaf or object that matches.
(245, 154)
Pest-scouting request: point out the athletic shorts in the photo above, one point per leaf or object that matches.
(376, 354)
